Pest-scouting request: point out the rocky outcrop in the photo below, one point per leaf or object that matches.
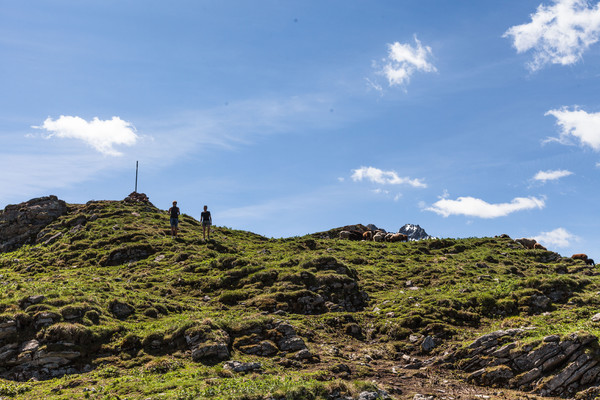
(135, 197)
(55, 351)
(21, 223)
(553, 366)
(7, 329)
(208, 351)
(373, 227)
(335, 233)
(210, 344)
(29, 350)
(325, 285)
(269, 339)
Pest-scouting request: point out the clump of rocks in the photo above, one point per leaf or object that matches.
(270, 339)
(45, 344)
(335, 291)
(325, 285)
(41, 344)
(135, 197)
(210, 344)
(56, 350)
(21, 223)
(553, 366)
(238, 366)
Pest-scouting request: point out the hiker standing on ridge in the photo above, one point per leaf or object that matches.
(174, 212)
(206, 221)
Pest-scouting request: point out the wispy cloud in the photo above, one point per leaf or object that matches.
(43, 165)
(402, 61)
(40, 174)
(381, 191)
(102, 135)
(558, 237)
(381, 177)
(551, 175)
(243, 123)
(577, 124)
(559, 33)
(473, 207)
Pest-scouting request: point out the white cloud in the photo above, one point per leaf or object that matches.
(579, 124)
(473, 207)
(403, 60)
(558, 237)
(551, 175)
(381, 177)
(558, 33)
(102, 135)
(39, 167)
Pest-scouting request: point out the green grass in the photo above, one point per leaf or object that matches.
(453, 289)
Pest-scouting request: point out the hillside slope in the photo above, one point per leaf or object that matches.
(104, 304)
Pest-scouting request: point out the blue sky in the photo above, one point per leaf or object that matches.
(292, 117)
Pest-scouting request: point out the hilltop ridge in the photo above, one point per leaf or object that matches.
(102, 302)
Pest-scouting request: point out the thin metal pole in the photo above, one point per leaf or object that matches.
(136, 175)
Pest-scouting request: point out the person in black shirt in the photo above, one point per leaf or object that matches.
(206, 221)
(174, 212)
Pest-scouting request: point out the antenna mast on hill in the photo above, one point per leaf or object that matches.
(136, 175)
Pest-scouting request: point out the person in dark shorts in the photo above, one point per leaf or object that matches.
(206, 221)
(174, 212)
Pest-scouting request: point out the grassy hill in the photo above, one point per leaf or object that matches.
(109, 306)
